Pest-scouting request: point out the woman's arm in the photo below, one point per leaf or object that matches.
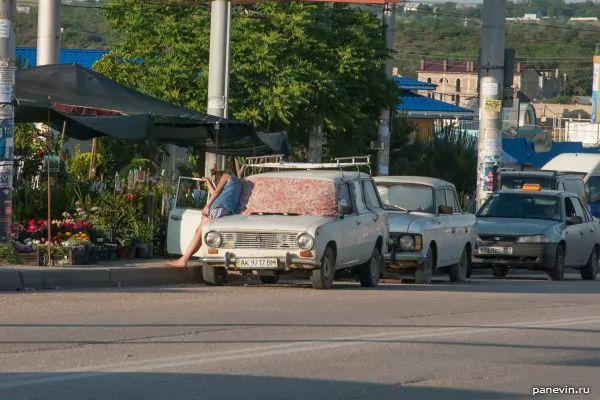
(209, 185)
(215, 192)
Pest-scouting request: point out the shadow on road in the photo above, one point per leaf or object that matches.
(168, 386)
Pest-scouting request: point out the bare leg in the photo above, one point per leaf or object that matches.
(194, 246)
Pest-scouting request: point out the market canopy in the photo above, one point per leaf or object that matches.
(93, 105)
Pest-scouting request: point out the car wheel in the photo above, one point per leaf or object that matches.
(269, 280)
(590, 270)
(322, 278)
(557, 271)
(458, 272)
(214, 276)
(499, 272)
(369, 272)
(424, 271)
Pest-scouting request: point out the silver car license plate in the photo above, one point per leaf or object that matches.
(256, 263)
(496, 250)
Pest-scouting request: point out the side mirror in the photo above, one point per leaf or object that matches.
(345, 210)
(575, 220)
(446, 210)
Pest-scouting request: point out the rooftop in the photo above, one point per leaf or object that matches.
(321, 174)
(413, 180)
(413, 84)
(468, 67)
(417, 106)
(84, 57)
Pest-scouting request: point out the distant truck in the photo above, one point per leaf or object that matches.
(587, 167)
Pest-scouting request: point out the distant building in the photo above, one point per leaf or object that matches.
(23, 9)
(533, 15)
(411, 7)
(457, 81)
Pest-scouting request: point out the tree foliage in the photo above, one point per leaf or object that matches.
(291, 64)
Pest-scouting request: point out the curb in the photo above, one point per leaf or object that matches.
(12, 279)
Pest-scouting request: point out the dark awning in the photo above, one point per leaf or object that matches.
(94, 105)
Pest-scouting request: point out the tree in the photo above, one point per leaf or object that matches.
(289, 63)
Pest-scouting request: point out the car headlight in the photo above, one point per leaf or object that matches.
(213, 239)
(410, 242)
(533, 239)
(305, 241)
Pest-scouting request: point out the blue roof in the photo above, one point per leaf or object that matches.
(523, 151)
(412, 102)
(413, 84)
(84, 57)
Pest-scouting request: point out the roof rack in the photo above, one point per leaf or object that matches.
(340, 163)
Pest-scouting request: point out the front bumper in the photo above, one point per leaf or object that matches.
(284, 263)
(525, 255)
(404, 259)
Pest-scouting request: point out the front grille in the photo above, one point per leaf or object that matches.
(260, 240)
(498, 238)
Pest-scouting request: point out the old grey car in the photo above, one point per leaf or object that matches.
(428, 230)
(536, 229)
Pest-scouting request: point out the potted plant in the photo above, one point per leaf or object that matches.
(124, 246)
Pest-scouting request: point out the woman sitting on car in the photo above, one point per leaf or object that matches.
(224, 200)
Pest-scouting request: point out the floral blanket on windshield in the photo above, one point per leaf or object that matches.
(288, 196)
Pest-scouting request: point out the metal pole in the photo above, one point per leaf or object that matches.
(218, 69)
(491, 89)
(48, 37)
(386, 117)
(7, 81)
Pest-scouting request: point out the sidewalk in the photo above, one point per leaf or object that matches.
(138, 272)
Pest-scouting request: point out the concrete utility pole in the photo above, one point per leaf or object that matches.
(48, 37)
(218, 70)
(491, 93)
(386, 117)
(8, 57)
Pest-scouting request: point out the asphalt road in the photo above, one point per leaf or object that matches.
(485, 339)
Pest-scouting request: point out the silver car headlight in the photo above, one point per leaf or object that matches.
(213, 239)
(306, 241)
(533, 239)
(407, 243)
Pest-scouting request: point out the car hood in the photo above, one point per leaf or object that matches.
(255, 223)
(400, 221)
(512, 226)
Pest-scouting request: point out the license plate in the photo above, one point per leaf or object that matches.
(256, 263)
(496, 250)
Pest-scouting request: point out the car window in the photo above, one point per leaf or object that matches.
(578, 208)
(413, 197)
(517, 181)
(593, 185)
(571, 186)
(522, 205)
(371, 197)
(344, 198)
(452, 201)
(440, 199)
(569, 208)
(357, 193)
(586, 215)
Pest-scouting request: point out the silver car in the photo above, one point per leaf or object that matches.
(536, 229)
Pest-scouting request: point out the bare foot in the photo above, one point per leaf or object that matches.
(177, 264)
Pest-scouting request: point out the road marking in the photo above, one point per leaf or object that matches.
(37, 378)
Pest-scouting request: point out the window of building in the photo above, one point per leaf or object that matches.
(428, 80)
(458, 85)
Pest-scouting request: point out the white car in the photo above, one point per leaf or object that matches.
(319, 221)
(428, 230)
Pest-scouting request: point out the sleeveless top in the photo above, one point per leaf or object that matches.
(229, 198)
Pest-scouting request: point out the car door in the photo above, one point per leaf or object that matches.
(365, 224)
(443, 235)
(458, 224)
(587, 227)
(373, 203)
(185, 217)
(574, 236)
(349, 234)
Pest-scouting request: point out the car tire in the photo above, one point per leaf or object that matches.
(214, 276)
(269, 280)
(500, 272)
(590, 270)
(369, 272)
(557, 271)
(322, 278)
(458, 271)
(424, 271)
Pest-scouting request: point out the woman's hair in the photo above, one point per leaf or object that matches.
(229, 169)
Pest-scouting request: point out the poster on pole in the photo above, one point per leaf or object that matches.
(489, 89)
(7, 75)
(493, 105)
(6, 140)
(6, 175)
(5, 28)
(6, 93)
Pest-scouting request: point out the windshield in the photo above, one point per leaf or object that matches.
(516, 205)
(412, 197)
(517, 182)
